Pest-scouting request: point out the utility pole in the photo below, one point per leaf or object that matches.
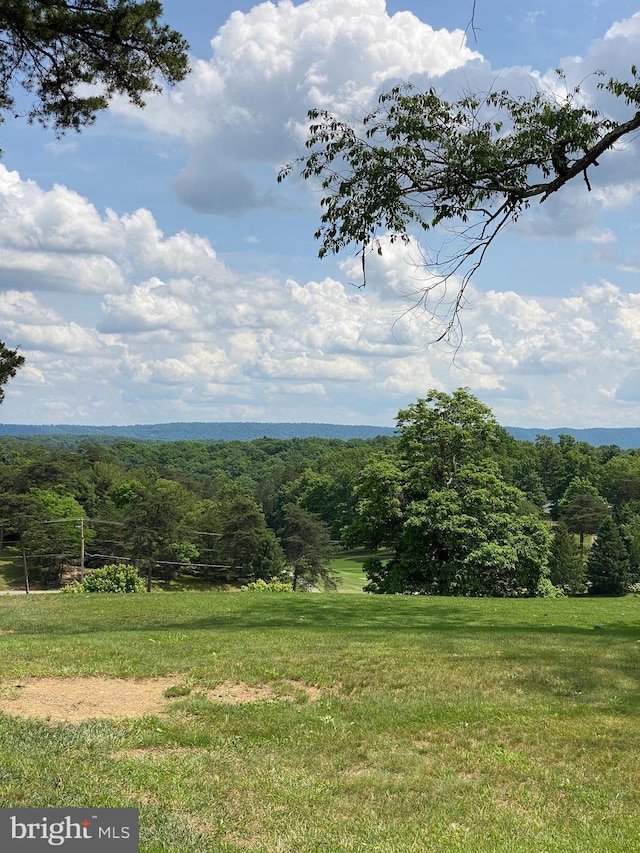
(80, 527)
(81, 548)
(25, 567)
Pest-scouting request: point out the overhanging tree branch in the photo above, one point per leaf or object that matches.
(10, 363)
(49, 48)
(469, 167)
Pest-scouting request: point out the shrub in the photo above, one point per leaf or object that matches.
(274, 585)
(117, 577)
(73, 587)
(546, 589)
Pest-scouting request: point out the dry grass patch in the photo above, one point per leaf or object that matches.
(77, 699)
(237, 693)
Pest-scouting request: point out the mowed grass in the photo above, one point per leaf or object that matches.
(464, 725)
(349, 567)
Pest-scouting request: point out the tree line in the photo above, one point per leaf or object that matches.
(452, 504)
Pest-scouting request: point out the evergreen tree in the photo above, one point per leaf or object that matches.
(307, 548)
(566, 566)
(608, 563)
(10, 363)
(582, 508)
(49, 48)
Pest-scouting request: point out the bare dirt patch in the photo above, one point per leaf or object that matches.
(75, 699)
(236, 693)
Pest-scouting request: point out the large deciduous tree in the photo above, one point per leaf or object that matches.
(471, 166)
(439, 501)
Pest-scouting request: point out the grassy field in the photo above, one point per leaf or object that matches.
(435, 725)
(348, 565)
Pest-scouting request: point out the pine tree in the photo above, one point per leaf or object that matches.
(608, 563)
(307, 548)
(566, 566)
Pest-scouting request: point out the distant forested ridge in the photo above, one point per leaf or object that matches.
(626, 438)
(194, 431)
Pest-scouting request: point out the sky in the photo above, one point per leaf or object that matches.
(153, 270)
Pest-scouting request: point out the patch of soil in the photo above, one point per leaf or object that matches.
(235, 694)
(75, 699)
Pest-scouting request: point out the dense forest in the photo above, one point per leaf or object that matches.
(199, 431)
(70, 435)
(454, 503)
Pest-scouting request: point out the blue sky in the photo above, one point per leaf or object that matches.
(152, 270)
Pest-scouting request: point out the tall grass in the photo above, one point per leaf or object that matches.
(442, 724)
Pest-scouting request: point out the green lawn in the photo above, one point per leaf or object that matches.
(444, 725)
(348, 565)
(11, 573)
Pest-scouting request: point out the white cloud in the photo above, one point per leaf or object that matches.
(213, 344)
(156, 327)
(242, 113)
(57, 240)
(246, 105)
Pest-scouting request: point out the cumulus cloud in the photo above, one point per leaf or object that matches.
(198, 338)
(57, 240)
(157, 327)
(247, 104)
(245, 107)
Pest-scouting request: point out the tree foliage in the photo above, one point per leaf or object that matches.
(582, 509)
(440, 502)
(608, 562)
(472, 166)
(72, 56)
(455, 499)
(10, 363)
(566, 565)
(52, 533)
(307, 548)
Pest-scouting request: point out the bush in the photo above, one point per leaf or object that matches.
(546, 589)
(73, 587)
(117, 577)
(274, 585)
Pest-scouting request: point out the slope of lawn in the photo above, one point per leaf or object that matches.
(455, 725)
(348, 565)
